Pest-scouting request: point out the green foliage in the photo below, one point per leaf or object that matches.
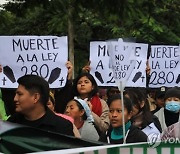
(6, 19)
(155, 21)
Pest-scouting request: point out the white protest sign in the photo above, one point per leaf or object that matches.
(99, 58)
(100, 65)
(138, 75)
(165, 66)
(123, 61)
(39, 55)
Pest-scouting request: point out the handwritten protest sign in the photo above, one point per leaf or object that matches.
(165, 66)
(122, 61)
(99, 58)
(39, 55)
(138, 75)
(100, 64)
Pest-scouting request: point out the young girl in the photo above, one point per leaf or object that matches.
(114, 134)
(85, 87)
(79, 110)
(142, 117)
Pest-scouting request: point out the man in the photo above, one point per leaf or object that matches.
(31, 109)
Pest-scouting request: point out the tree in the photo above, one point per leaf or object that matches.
(84, 21)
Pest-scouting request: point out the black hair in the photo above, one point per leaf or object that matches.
(52, 100)
(172, 92)
(93, 81)
(137, 96)
(33, 84)
(127, 101)
(81, 108)
(109, 91)
(160, 93)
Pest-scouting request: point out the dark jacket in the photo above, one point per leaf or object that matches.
(63, 96)
(8, 98)
(49, 122)
(134, 135)
(157, 123)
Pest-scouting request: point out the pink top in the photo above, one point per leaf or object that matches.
(65, 117)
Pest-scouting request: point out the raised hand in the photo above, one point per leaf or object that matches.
(70, 70)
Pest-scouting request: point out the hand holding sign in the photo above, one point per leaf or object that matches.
(70, 70)
(87, 67)
(0, 68)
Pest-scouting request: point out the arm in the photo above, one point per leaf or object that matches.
(70, 70)
(64, 95)
(87, 67)
(148, 71)
(0, 68)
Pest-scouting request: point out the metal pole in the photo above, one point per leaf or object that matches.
(123, 121)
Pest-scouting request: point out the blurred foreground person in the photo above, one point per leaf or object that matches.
(3, 114)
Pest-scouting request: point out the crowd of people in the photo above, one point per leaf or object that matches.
(84, 110)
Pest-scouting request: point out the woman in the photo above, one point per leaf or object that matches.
(170, 114)
(79, 110)
(51, 106)
(114, 134)
(142, 117)
(85, 87)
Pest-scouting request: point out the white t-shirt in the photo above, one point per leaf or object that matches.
(151, 131)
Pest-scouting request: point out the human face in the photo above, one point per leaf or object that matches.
(135, 110)
(172, 99)
(73, 110)
(84, 86)
(115, 114)
(113, 91)
(160, 102)
(50, 105)
(173, 104)
(24, 100)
